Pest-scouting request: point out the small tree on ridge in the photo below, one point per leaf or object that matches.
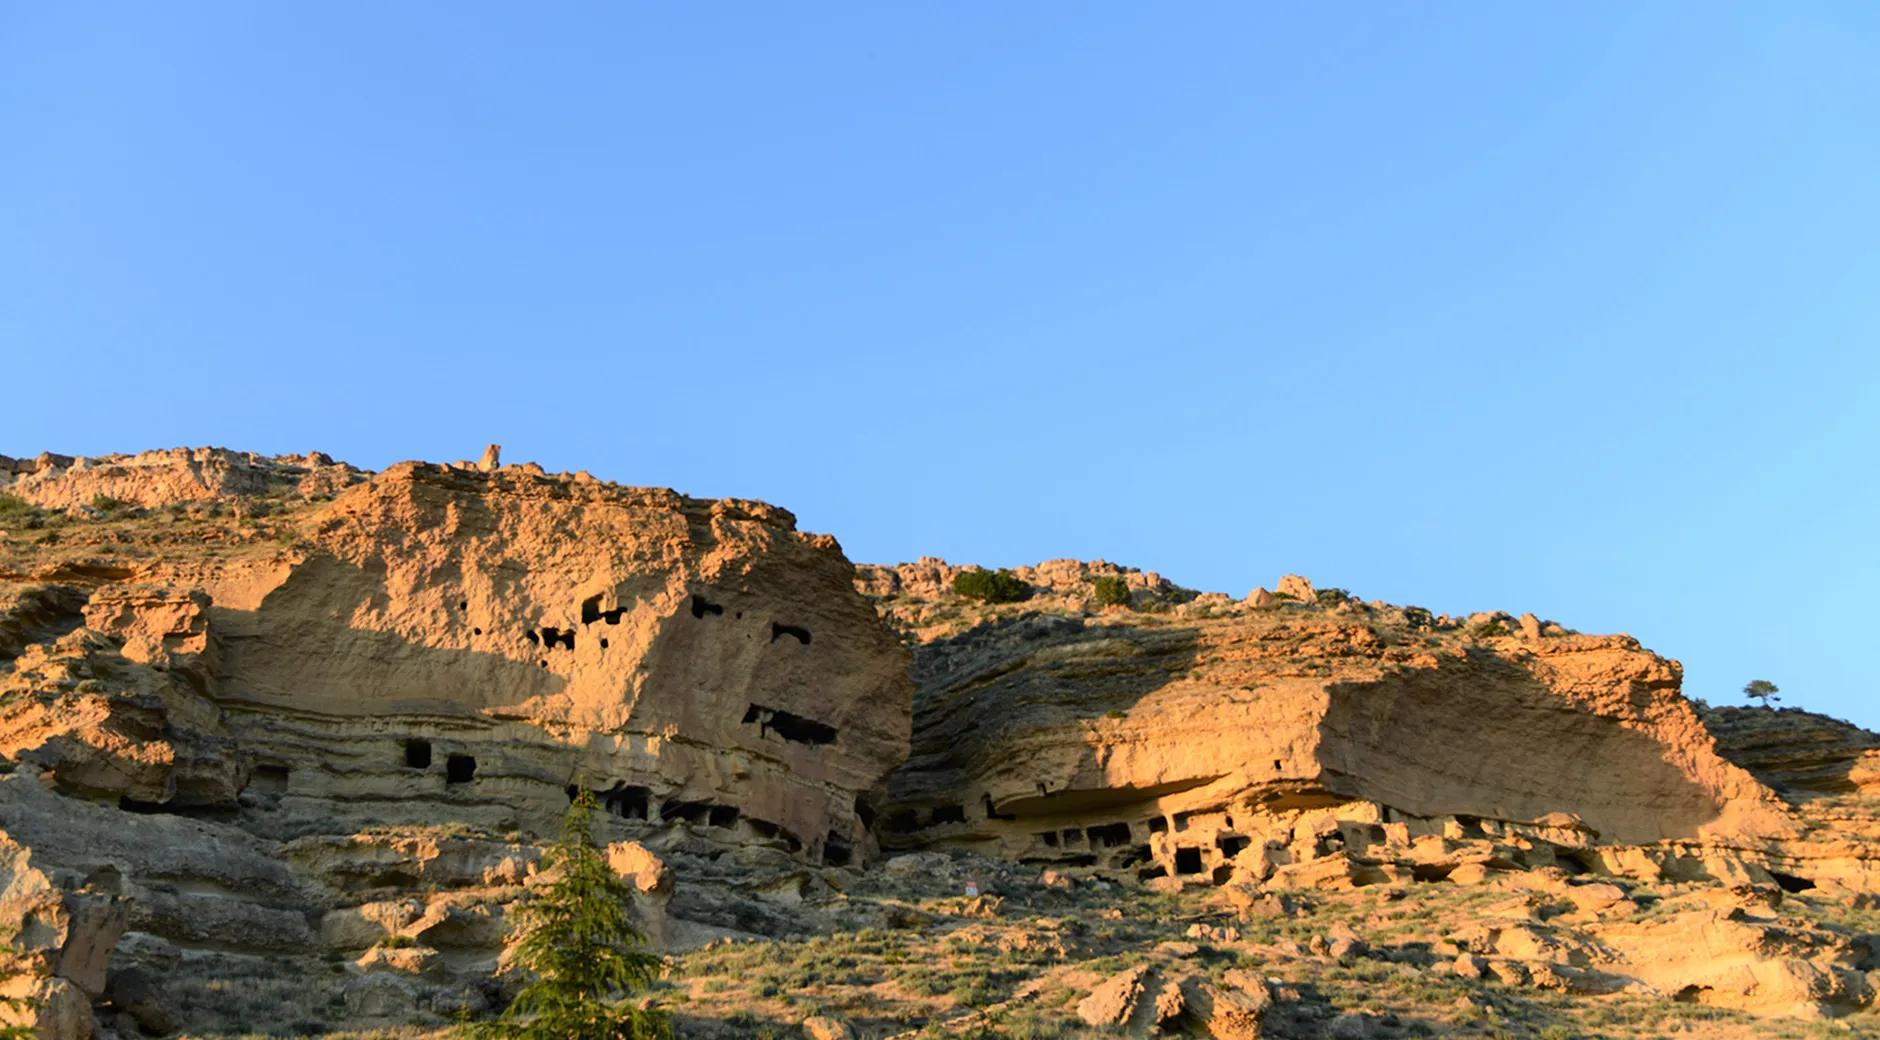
(1761, 690)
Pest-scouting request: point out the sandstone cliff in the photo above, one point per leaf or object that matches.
(316, 670)
(279, 739)
(1178, 741)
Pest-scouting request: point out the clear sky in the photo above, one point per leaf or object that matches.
(1471, 306)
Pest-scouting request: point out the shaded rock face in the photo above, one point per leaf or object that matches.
(1799, 753)
(1192, 743)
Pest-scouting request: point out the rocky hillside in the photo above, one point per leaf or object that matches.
(282, 739)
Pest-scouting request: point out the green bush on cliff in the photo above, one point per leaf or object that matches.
(1000, 586)
(1111, 591)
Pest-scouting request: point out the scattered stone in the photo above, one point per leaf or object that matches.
(826, 1027)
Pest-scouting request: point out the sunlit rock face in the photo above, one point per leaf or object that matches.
(1194, 737)
(264, 708)
(459, 644)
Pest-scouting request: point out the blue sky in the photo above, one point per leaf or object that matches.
(1472, 306)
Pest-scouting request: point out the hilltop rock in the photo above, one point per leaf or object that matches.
(178, 475)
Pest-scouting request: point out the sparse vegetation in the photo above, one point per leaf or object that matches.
(1111, 591)
(1000, 586)
(1488, 629)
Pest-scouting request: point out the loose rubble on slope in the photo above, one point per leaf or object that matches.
(283, 739)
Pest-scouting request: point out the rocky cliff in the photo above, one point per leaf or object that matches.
(312, 666)
(281, 739)
(1179, 740)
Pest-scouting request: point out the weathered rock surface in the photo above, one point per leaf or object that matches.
(283, 719)
(290, 710)
(158, 478)
(1212, 741)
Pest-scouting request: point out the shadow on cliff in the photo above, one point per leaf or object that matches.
(986, 692)
(1491, 740)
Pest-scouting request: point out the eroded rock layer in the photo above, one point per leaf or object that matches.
(261, 708)
(1184, 740)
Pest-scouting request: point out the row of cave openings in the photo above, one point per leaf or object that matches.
(459, 768)
(633, 802)
(1189, 860)
(550, 637)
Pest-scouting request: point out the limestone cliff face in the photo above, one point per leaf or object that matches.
(258, 708)
(1174, 741)
(526, 634)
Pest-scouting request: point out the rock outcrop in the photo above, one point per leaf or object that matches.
(280, 719)
(1210, 741)
(173, 476)
(245, 727)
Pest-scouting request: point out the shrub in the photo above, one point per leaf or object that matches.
(1111, 591)
(582, 951)
(1000, 586)
(105, 504)
(13, 506)
(1489, 628)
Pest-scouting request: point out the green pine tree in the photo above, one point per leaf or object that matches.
(14, 1006)
(584, 955)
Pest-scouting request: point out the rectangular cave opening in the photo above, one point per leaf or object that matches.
(1131, 857)
(902, 821)
(1049, 838)
(1109, 835)
(947, 814)
(417, 754)
(722, 816)
(269, 778)
(1187, 860)
(627, 802)
(459, 769)
(1231, 844)
(836, 853)
(1158, 824)
(789, 725)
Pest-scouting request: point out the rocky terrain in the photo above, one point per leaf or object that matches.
(283, 739)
